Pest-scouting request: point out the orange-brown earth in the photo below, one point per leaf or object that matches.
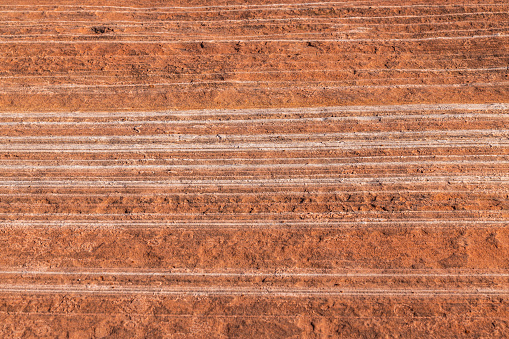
(254, 169)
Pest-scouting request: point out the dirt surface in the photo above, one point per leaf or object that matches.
(234, 169)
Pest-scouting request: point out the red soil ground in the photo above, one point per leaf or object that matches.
(254, 169)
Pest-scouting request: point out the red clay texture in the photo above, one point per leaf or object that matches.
(235, 169)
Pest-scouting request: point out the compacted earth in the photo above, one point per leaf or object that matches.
(254, 169)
